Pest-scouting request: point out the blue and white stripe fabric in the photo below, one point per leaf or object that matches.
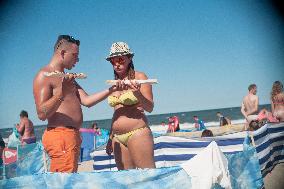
(172, 151)
(243, 167)
(269, 144)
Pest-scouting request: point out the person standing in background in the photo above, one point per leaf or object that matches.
(26, 128)
(249, 107)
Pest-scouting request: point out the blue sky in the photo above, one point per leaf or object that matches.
(204, 54)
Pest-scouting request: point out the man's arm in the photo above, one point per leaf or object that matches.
(20, 127)
(46, 104)
(243, 111)
(91, 100)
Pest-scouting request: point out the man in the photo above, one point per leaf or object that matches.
(199, 124)
(223, 120)
(59, 101)
(26, 128)
(249, 107)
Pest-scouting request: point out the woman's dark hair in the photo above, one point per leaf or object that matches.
(207, 133)
(254, 125)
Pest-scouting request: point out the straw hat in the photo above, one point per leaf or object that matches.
(119, 49)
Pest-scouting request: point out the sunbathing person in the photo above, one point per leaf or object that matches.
(265, 114)
(131, 139)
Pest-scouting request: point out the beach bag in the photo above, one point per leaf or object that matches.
(13, 139)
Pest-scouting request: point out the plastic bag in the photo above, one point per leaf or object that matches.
(13, 140)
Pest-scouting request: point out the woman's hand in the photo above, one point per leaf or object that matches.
(109, 148)
(119, 86)
(134, 86)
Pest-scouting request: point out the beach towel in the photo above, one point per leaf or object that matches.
(207, 168)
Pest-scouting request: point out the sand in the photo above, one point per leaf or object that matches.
(275, 179)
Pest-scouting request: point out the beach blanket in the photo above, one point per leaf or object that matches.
(171, 151)
(269, 145)
(244, 173)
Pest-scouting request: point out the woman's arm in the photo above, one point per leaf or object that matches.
(143, 92)
(272, 107)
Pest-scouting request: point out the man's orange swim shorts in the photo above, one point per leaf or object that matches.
(62, 144)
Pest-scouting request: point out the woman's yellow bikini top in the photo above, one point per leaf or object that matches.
(127, 98)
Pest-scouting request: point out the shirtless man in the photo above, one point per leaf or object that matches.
(59, 101)
(26, 128)
(250, 104)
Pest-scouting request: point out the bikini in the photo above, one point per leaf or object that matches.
(280, 112)
(128, 99)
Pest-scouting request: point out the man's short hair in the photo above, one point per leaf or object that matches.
(24, 113)
(251, 86)
(65, 39)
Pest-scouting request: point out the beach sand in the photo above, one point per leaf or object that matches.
(86, 166)
(275, 179)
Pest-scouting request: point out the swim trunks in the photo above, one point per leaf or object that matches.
(29, 140)
(62, 144)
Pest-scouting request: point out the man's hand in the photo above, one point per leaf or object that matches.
(67, 85)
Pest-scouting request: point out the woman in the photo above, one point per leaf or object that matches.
(131, 139)
(277, 100)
